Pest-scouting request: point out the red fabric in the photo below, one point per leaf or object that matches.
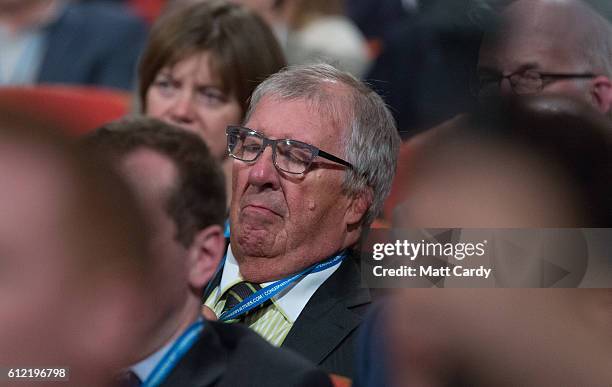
(340, 381)
(77, 109)
(380, 223)
(149, 10)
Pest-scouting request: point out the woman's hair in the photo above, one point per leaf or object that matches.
(243, 50)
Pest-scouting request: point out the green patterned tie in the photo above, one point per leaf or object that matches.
(234, 295)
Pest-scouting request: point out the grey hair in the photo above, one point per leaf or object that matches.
(373, 142)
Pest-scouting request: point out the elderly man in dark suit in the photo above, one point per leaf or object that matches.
(181, 190)
(313, 164)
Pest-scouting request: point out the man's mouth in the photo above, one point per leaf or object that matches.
(260, 209)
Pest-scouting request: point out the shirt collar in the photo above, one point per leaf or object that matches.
(292, 300)
(144, 368)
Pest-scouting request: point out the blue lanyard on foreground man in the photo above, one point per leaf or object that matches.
(174, 354)
(263, 295)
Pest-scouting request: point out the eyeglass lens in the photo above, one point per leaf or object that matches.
(289, 156)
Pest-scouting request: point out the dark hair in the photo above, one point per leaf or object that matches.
(198, 200)
(244, 49)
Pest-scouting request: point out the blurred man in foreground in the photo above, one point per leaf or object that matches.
(72, 258)
(533, 162)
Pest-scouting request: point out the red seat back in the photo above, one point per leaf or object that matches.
(77, 109)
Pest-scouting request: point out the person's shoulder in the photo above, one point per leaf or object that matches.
(238, 338)
(262, 364)
(100, 13)
(100, 26)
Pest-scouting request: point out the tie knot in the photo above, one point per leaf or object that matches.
(234, 295)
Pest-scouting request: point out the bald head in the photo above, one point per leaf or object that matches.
(556, 37)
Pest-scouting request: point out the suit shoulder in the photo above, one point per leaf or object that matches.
(252, 359)
(101, 17)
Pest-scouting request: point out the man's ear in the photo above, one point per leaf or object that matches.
(601, 92)
(358, 206)
(204, 255)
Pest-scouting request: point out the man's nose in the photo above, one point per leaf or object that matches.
(263, 172)
(182, 110)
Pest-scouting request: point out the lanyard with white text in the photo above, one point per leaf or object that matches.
(174, 355)
(263, 295)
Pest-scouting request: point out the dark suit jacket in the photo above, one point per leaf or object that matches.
(325, 331)
(230, 355)
(93, 44)
(438, 46)
(372, 356)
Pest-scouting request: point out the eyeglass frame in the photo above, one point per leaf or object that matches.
(266, 141)
(553, 77)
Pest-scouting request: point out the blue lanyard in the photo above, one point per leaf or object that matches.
(263, 295)
(226, 229)
(174, 355)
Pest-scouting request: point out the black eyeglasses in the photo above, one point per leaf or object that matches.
(288, 155)
(522, 83)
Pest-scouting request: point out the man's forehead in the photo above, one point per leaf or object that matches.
(534, 34)
(545, 10)
(555, 19)
(298, 119)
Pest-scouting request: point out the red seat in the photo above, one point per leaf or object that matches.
(149, 10)
(340, 381)
(75, 108)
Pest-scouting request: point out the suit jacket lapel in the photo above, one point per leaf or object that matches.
(203, 365)
(327, 318)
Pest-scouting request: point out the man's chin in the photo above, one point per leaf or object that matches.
(258, 269)
(255, 240)
(254, 219)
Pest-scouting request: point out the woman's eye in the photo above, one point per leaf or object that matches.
(165, 86)
(212, 97)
